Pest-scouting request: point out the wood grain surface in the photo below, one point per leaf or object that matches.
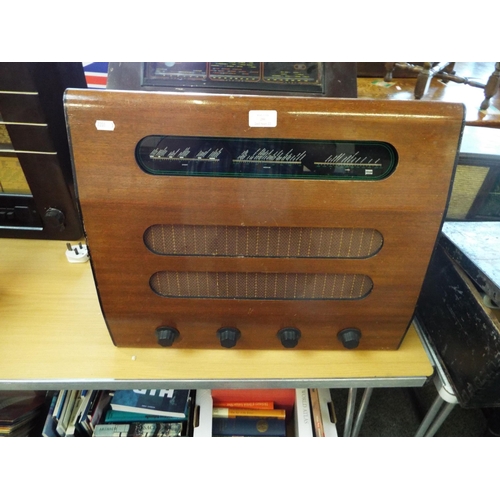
(53, 335)
(119, 202)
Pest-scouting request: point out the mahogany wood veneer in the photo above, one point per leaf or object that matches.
(199, 253)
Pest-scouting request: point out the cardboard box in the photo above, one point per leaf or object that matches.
(299, 423)
(328, 413)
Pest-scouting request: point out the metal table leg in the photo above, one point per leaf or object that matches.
(438, 413)
(351, 403)
(443, 414)
(429, 417)
(362, 411)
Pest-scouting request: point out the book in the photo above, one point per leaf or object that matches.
(303, 419)
(56, 412)
(247, 412)
(189, 427)
(282, 398)
(117, 417)
(83, 424)
(319, 430)
(76, 413)
(79, 424)
(98, 411)
(256, 405)
(49, 426)
(67, 411)
(166, 402)
(248, 426)
(139, 429)
(19, 411)
(323, 413)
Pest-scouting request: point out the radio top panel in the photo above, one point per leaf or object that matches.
(301, 76)
(329, 79)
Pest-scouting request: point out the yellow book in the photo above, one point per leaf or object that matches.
(243, 412)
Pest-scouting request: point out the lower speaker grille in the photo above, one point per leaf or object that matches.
(253, 241)
(262, 286)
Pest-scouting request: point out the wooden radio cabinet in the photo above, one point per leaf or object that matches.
(260, 222)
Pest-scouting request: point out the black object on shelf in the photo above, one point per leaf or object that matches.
(457, 310)
(37, 198)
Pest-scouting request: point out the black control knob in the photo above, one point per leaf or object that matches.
(228, 336)
(349, 337)
(289, 337)
(166, 335)
(55, 218)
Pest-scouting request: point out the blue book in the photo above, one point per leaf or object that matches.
(49, 428)
(248, 426)
(57, 411)
(115, 417)
(164, 402)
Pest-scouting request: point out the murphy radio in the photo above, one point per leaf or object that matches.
(260, 222)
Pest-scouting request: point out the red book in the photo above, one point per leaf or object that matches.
(282, 398)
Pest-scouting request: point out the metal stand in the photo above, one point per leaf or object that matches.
(437, 414)
(445, 400)
(351, 403)
(362, 411)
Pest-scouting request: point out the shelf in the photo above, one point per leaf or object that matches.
(53, 336)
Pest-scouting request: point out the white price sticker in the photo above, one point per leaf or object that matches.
(105, 125)
(262, 118)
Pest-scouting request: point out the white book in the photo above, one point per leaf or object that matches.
(75, 414)
(302, 414)
(69, 403)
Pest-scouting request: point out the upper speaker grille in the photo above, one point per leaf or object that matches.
(271, 286)
(254, 241)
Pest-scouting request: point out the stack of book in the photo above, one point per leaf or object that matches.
(20, 412)
(264, 413)
(252, 413)
(121, 413)
(171, 413)
(147, 413)
(256, 419)
(75, 413)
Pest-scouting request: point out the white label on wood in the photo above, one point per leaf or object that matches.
(263, 118)
(105, 125)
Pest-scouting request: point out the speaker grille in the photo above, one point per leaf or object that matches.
(466, 187)
(262, 286)
(232, 241)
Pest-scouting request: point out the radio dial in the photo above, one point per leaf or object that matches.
(289, 337)
(166, 335)
(55, 218)
(228, 336)
(349, 337)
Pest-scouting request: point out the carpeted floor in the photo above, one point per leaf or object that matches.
(398, 412)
